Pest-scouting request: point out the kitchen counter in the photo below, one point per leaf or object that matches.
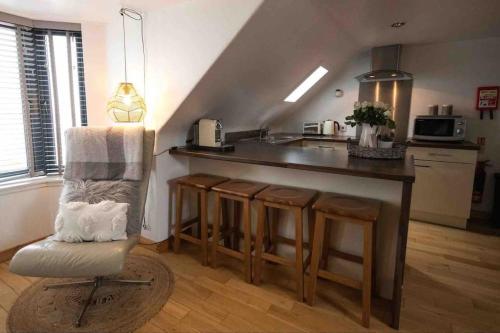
(336, 161)
(285, 138)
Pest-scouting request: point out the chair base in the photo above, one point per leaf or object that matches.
(96, 283)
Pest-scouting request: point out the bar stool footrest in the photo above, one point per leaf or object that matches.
(190, 238)
(342, 279)
(230, 252)
(277, 259)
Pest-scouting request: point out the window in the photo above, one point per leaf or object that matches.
(42, 93)
(13, 159)
(306, 84)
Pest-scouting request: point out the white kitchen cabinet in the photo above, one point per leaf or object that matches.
(442, 192)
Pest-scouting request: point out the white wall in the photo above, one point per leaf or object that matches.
(28, 212)
(182, 39)
(325, 105)
(444, 73)
(96, 79)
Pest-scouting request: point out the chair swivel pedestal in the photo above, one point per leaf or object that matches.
(284, 198)
(200, 184)
(238, 191)
(333, 208)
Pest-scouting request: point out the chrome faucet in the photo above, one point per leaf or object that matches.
(263, 133)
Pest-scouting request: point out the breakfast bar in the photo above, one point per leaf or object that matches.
(389, 181)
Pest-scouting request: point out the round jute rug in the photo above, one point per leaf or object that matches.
(114, 308)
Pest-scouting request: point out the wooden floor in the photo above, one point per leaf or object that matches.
(452, 284)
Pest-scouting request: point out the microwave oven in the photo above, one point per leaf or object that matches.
(439, 128)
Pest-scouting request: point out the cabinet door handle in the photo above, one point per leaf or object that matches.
(438, 154)
(422, 166)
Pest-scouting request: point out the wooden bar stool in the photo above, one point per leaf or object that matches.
(333, 207)
(294, 200)
(201, 184)
(242, 191)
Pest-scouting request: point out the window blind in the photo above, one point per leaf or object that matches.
(46, 96)
(13, 145)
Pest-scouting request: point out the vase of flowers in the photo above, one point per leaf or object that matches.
(373, 118)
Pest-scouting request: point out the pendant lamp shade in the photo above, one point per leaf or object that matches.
(126, 105)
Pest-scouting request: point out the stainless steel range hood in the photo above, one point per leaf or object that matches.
(385, 65)
(387, 84)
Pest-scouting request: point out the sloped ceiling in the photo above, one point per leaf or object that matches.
(76, 10)
(286, 40)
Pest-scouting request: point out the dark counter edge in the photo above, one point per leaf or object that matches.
(182, 151)
(464, 145)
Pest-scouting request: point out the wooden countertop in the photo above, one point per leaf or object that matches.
(329, 161)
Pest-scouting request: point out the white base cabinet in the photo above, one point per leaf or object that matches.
(444, 180)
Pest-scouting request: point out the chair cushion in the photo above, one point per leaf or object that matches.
(101, 222)
(93, 192)
(48, 258)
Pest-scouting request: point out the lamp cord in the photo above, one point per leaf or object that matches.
(136, 16)
(122, 12)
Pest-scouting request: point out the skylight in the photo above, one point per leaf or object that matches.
(307, 84)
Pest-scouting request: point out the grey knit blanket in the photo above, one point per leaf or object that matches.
(104, 153)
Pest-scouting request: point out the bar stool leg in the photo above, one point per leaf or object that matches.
(236, 224)
(299, 254)
(310, 227)
(204, 228)
(197, 232)
(225, 222)
(319, 230)
(216, 229)
(374, 259)
(367, 273)
(326, 246)
(259, 238)
(178, 218)
(274, 216)
(247, 248)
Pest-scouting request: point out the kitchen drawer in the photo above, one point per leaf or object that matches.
(443, 155)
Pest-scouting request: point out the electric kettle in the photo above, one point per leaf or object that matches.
(331, 127)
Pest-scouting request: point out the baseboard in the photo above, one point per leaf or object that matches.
(450, 221)
(6, 255)
(158, 247)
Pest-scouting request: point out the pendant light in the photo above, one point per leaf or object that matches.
(126, 105)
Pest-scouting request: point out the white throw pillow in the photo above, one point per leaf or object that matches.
(101, 222)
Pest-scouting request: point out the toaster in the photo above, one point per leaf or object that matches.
(312, 127)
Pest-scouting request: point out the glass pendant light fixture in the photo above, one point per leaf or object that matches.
(126, 105)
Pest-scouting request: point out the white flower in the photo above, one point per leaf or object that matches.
(366, 104)
(380, 105)
(357, 105)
